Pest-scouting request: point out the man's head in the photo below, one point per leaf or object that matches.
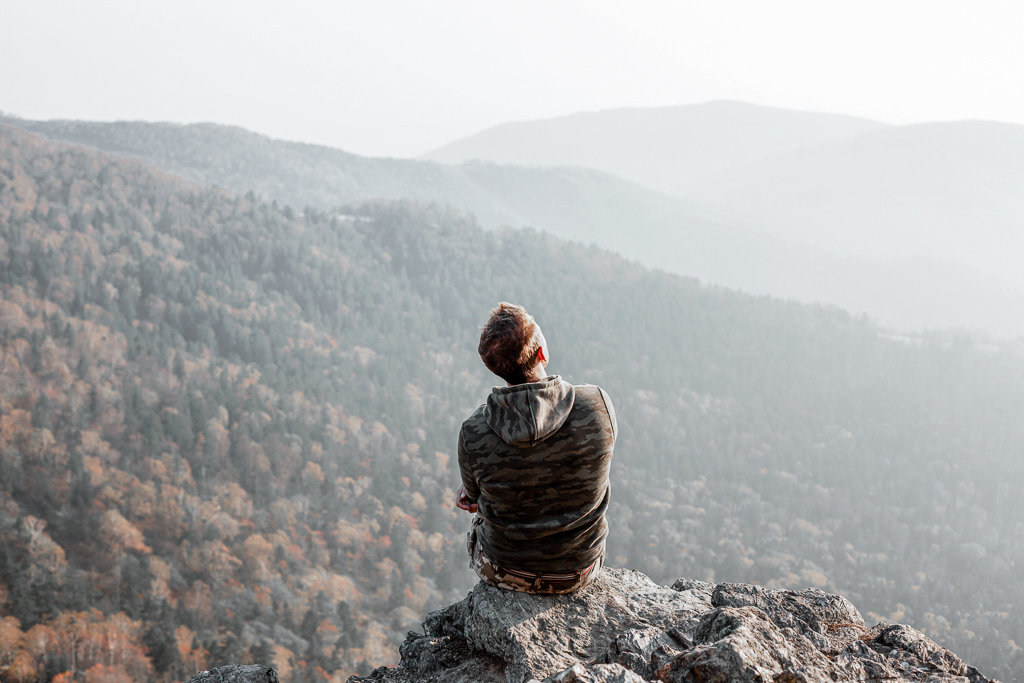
(512, 345)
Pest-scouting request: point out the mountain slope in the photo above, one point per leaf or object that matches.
(588, 206)
(659, 148)
(231, 157)
(572, 203)
(230, 429)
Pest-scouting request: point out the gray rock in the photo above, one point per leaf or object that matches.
(444, 659)
(829, 621)
(235, 673)
(916, 656)
(685, 584)
(539, 635)
(645, 651)
(595, 673)
(743, 644)
(626, 629)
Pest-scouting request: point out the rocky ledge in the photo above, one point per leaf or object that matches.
(624, 628)
(237, 673)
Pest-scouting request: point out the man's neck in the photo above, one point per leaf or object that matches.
(537, 376)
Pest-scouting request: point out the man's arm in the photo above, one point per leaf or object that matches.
(469, 492)
(611, 412)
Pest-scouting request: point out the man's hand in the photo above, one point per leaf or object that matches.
(462, 500)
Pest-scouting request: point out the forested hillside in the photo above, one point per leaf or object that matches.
(698, 240)
(227, 429)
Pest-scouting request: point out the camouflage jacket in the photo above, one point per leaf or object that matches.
(535, 458)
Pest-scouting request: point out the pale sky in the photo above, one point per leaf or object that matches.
(398, 78)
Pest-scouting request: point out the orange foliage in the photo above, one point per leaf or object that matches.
(39, 640)
(23, 668)
(214, 538)
(192, 659)
(122, 534)
(11, 638)
(101, 673)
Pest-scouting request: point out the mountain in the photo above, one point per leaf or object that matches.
(573, 203)
(944, 192)
(952, 191)
(661, 148)
(696, 239)
(227, 430)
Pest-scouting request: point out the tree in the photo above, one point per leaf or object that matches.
(122, 536)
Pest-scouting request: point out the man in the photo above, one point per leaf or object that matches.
(534, 461)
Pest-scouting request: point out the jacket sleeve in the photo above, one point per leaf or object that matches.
(611, 412)
(466, 470)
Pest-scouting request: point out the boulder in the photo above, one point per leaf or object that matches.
(595, 673)
(624, 628)
(742, 644)
(829, 621)
(535, 636)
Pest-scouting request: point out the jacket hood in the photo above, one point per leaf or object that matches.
(525, 414)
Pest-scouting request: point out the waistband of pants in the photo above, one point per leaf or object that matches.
(550, 576)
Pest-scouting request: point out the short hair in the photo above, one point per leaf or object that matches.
(509, 342)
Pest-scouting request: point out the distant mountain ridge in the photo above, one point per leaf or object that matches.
(661, 147)
(949, 191)
(691, 238)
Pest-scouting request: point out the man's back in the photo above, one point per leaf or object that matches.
(536, 459)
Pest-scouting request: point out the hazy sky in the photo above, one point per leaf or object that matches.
(391, 77)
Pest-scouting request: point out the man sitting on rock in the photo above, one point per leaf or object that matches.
(534, 461)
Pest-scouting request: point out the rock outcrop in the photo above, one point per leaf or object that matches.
(237, 673)
(624, 628)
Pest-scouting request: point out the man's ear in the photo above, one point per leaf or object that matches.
(541, 356)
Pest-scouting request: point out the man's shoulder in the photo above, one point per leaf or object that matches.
(592, 394)
(588, 389)
(591, 399)
(476, 419)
